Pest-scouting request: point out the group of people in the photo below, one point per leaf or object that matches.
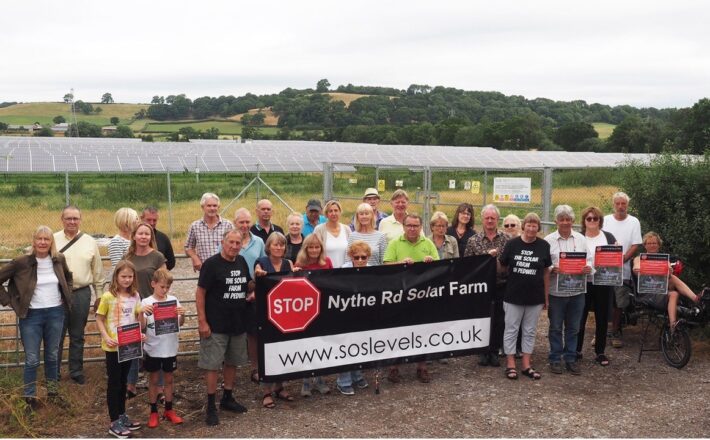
(49, 289)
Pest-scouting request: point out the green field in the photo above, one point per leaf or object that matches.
(604, 129)
(44, 112)
(224, 127)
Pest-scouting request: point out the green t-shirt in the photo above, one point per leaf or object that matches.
(401, 248)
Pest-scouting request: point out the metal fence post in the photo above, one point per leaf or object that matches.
(66, 188)
(377, 177)
(485, 186)
(258, 183)
(327, 181)
(427, 195)
(170, 207)
(546, 196)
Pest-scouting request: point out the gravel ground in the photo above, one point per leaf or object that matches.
(626, 399)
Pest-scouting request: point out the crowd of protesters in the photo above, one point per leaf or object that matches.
(50, 289)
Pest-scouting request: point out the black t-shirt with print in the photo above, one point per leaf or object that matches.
(526, 263)
(225, 301)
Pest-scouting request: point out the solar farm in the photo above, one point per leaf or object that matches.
(99, 155)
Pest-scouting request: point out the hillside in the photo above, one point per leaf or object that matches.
(44, 112)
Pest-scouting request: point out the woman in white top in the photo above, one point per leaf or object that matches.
(39, 292)
(333, 234)
(365, 231)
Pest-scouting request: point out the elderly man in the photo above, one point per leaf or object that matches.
(313, 217)
(491, 242)
(372, 198)
(392, 226)
(411, 247)
(204, 235)
(150, 216)
(84, 261)
(263, 227)
(627, 231)
(565, 308)
(221, 296)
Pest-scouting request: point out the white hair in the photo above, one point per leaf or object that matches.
(564, 211)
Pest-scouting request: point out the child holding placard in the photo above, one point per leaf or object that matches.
(164, 316)
(119, 306)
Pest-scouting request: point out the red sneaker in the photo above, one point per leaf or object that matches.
(172, 417)
(153, 420)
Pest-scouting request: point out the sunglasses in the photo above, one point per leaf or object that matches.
(359, 257)
(592, 219)
(512, 225)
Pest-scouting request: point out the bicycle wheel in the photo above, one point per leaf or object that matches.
(676, 346)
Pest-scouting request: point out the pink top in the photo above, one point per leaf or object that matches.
(316, 266)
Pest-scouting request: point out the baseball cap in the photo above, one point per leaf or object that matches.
(371, 192)
(314, 204)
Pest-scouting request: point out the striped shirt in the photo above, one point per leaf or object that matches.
(378, 244)
(117, 248)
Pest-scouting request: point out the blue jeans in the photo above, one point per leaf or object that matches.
(348, 378)
(41, 325)
(565, 311)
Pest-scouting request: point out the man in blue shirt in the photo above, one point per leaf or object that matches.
(312, 217)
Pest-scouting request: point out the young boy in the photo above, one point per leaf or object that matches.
(160, 350)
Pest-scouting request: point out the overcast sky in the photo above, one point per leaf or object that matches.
(642, 53)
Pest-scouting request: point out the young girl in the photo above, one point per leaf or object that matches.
(160, 350)
(119, 306)
(312, 257)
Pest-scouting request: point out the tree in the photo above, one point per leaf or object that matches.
(322, 86)
(571, 134)
(123, 131)
(106, 98)
(69, 97)
(246, 119)
(157, 100)
(140, 114)
(114, 120)
(59, 119)
(84, 129)
(250, 133)
(98, 110)
(258, 118)
(44, 132)
(3, 126)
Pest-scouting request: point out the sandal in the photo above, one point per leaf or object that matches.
(254, 376)
(511, 373)
(283, 395)
(267, 401)
(531, 373)
(602, 360)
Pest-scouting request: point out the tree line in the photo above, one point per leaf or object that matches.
(424, 115)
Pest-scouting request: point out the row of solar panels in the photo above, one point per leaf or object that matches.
(23, 155)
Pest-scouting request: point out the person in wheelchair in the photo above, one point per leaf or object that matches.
(676, 287)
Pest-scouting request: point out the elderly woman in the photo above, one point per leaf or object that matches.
(446, 245)
(393, 225)
(125, 220)
(272, 262)
(462, 226)
(511, 225)
(359, 255)
(597, 297)
(527, 261)
(333, 234)
(39, 292)
(294, 237)
(312, 257)
(365, 231)
(565, 308)
(652, 244)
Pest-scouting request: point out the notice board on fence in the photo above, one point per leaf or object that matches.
(326, 321)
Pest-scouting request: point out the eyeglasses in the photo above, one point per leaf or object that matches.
(71, 219)
(359, 257)
(412, 226)
(512, 225)
(592, 219)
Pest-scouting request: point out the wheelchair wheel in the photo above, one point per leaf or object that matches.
(676, 346)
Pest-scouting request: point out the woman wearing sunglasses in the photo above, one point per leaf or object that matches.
(597, 297)
(511, 226)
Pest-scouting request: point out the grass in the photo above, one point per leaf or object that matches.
(44, 112)
(347, 98)
(225, 127)
(270, 117)
(604, 129)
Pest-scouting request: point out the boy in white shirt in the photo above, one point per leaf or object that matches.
(161, 350)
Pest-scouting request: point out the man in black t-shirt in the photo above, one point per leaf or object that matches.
(221, 297)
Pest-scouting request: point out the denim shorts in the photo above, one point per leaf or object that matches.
(219, 348)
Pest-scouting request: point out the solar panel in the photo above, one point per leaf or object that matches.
(23, 154)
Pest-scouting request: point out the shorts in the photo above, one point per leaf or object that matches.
(167, 365)
(221, 348)
(657, 301)
(622, 295)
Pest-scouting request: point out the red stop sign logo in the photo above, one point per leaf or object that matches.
(293, 304)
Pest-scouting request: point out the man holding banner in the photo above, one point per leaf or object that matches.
(411, 247)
